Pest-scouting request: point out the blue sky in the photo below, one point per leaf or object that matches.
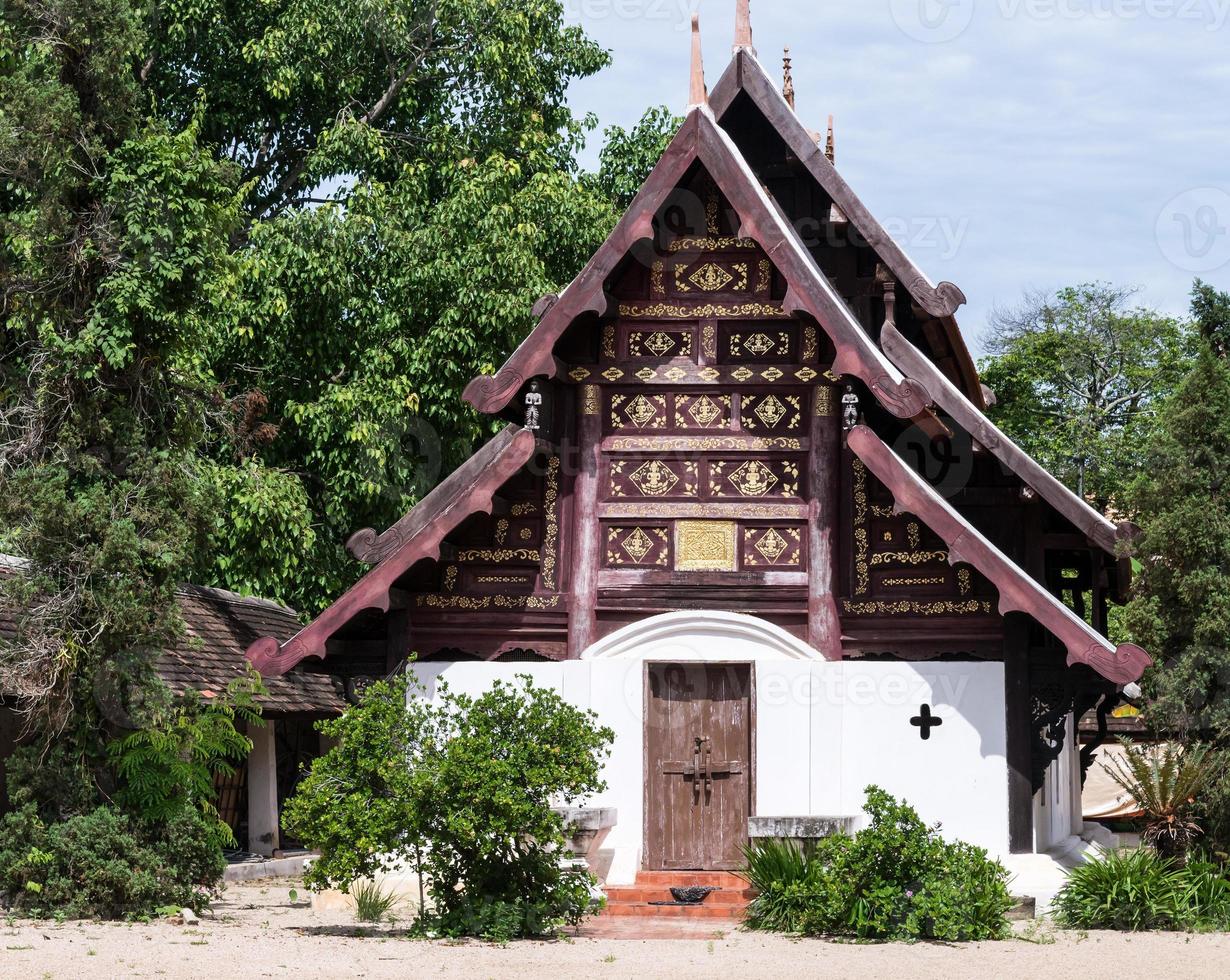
(1008, 144)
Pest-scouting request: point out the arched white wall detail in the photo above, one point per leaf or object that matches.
(709, 637)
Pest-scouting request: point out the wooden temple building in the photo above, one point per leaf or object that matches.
(747, 505)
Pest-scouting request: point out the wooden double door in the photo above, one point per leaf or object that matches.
(698, 738)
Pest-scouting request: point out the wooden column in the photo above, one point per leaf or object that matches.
(264, 830)
(823, 619)
(586, 553)
(1020, 740)
(397, 639)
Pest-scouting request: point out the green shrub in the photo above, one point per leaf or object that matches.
(462, 790)
(104, 865)
(1140, 890)
(895, 880)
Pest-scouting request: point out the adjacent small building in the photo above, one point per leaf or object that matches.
(206, 659)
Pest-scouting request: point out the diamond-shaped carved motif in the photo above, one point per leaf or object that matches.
(647, 374)
(759, 344)
(705, 411)
(654, 479)
(675, 374)
(771, 546)
(743, 374)
(710, 278)
(771, 411)
(753, 479)
(637, 545)
(642, 411)
(710, 374)
(773, 374)
(660, 343)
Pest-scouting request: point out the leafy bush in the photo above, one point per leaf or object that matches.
(895, 880)
(105, 865)
(460, 789)
(167, 767)
(1141, 890)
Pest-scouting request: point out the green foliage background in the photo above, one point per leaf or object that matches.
(250, 255)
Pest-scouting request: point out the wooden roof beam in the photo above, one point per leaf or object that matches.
(416, 537)
(1018, 592)
(1094, 526)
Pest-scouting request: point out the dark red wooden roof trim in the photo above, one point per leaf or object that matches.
(1018, 592)
(371, 548)
(1092, 524)
(701, 139)
(746, 74)
(416, 537)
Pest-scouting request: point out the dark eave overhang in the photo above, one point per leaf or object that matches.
(416, 537)
(1018, 592)
(746, 74)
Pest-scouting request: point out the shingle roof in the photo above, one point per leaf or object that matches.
(218, 628)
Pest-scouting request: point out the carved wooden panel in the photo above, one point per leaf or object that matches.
(772, 412)
(755, 478)
(758, 343)
(703, 411)
(661, 478)
(661, 344)
(640, 411)
(706, 546)
(637, 546)
(775, 546)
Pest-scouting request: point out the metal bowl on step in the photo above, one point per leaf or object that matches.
(691, 896)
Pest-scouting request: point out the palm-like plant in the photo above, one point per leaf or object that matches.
(1165, 781)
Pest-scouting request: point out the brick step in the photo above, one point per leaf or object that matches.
(682, 879)
(637, 895)
(723, 912)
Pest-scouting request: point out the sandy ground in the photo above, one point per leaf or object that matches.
(257, 931)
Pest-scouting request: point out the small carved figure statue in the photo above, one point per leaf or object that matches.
(533, 408)
(849, 410)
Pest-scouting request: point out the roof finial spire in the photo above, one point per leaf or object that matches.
(830, 148)
(788, 78)
(700, 92)
(743, 26)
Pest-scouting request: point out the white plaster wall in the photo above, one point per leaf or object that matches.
(824, 731)
(1057, 806)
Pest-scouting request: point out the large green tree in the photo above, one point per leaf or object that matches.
(1079, 376)
(1181, 607)
(251, 252)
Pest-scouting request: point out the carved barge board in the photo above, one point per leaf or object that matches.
(371, 549)
(747, 75)
(1018, 591)
(701, 139)
(1092, 524)
(421, 533)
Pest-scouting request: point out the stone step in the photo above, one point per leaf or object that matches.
(1024, 910)
(723, 912)
(638, 895)
(683, 879)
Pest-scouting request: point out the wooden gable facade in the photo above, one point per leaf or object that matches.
(749, 401)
